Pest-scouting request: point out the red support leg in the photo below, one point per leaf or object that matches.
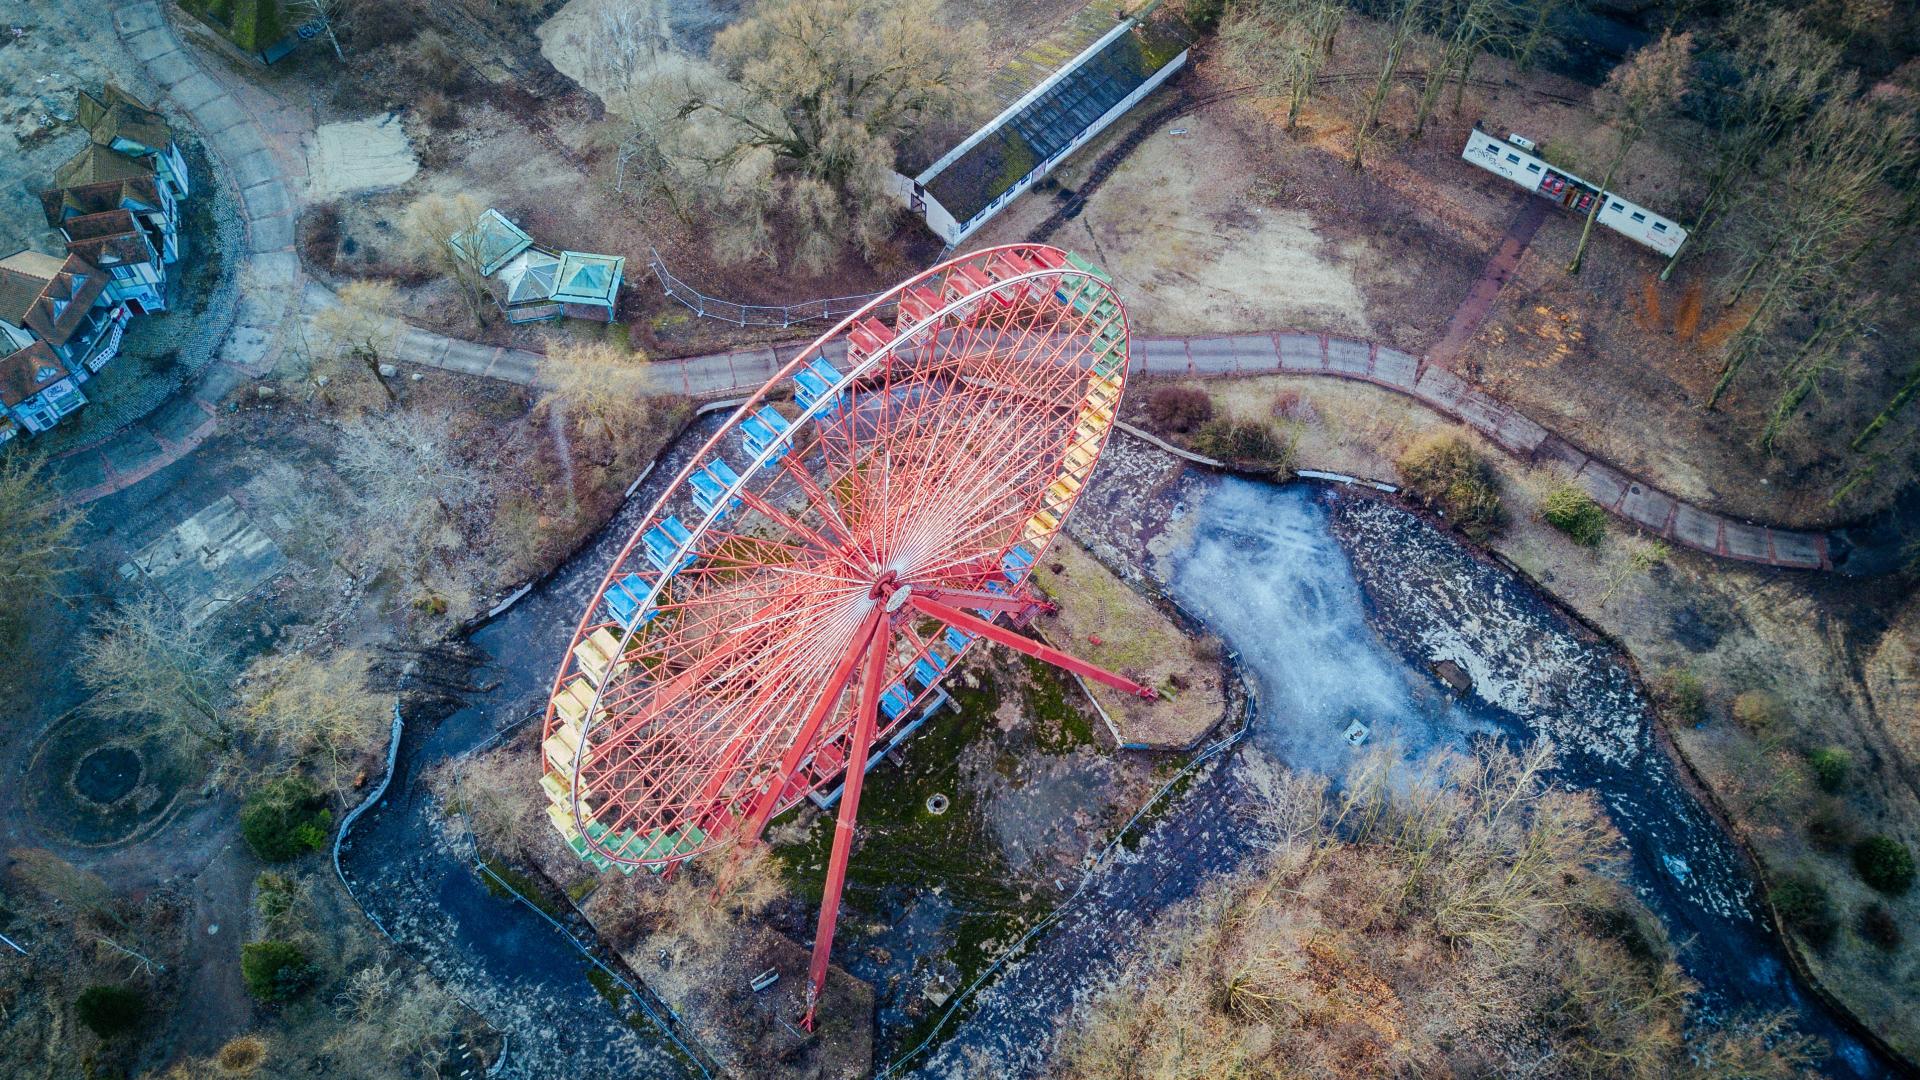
(863, 729)
(976, 600)
(955, 617)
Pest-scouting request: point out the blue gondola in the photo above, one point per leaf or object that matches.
(958, 639)
(816, 381)
(1017, 561)
(624, 600)
(710, 486)
(766, 428)
(662, 541)
(895, 701)
(926, 670)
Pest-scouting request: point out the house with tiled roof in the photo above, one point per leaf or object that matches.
(125, 125)
(58, 325)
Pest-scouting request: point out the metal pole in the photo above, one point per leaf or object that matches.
(863, 727)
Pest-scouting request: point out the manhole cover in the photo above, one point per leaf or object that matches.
(936, 805)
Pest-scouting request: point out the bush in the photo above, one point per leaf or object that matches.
(1249, 445)
(1757, 711)
(1831, 830)
(1178, 408)
(110, 1010)
(1829, 764)
(1443, 472)
(1683, 695)
(1804, 906)
(1884, 863)
(285, 819)
(1878, 925)
(1574, 512)
(275, 970)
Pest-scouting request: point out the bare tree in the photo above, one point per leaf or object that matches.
(352, 336)
(605, 392)
(317, 708)
(804, 112)
(35, 545)
(1402, 23)
(1468, 29)
(1644, 89)
(1284, 44)
(147, 663)
(1781, 71)
(430, 224)
(412, 481)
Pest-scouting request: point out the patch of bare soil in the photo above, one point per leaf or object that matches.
(1105, 622)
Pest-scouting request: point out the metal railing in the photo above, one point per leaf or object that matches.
(782, 315)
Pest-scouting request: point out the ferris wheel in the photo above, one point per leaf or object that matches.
(828, 556)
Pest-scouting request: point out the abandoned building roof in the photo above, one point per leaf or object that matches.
(1027, 135)
(29, 371)
(490, 241)
(585, 278)
(116, 114)
(531, 276)
(96, 164)
(107, 239)
(47, 294)
(135, 192)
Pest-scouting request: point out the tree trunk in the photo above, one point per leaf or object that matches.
(1907, 392)
(1377, 101)
(1627, 139)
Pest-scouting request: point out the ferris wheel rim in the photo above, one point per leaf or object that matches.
(708, 451)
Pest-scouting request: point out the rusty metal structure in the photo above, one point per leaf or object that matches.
(827, 557)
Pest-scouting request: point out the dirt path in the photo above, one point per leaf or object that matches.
(1479, 301)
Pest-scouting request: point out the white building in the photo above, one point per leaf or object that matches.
(1514, 159)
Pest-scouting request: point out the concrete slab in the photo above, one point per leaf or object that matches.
(1214, 356)
(150, 43)
(1696, 528)
(1301, 352)
(219, 114)
(1747, 542)
(1164, 356)
(1395, 368)
(1800, 549)
(210, 561)
(171, 68)
(516, 366)
(1648, 507)
(1480, 411)
(1440, 386)
(266, 200)
(1255, 352)
(254, 168)
(83, 470)
(275, 271)
(270, 234)
(359, 155)
(1607, 485)
(128, 450)
(218, 381)
(1519, 434)
(753, 366)
(194, 92)
(133, 18)
(1556, 449)
(177, 420)
(1349, 357)
(470, 357)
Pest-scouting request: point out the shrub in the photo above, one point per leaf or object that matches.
(1290, 405)
(110, 1010)
(1443, 472)
(275, 970)
(1878, 925)
(1884, 863)
(1830, 830)
(1247, 444)
(1683, 695)
(1574, 512)
(1757, 711)
(285, 818)
(1804, 906)
(1829, 764)
(1178, 408)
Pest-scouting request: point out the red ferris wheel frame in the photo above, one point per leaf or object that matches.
(724, 671)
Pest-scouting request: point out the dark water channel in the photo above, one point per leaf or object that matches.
(1330, 602)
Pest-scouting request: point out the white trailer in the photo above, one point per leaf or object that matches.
(1512, 158)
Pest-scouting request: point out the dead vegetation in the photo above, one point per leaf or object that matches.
(1450, 917)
